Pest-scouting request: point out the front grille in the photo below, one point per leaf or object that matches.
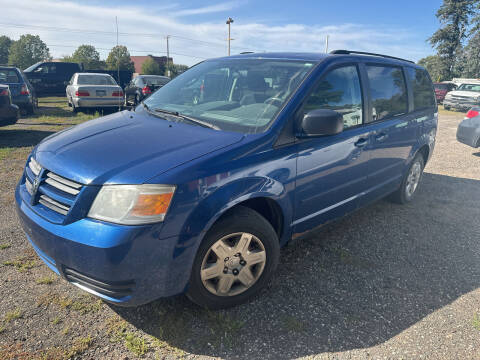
(55, 192)
(115, 289)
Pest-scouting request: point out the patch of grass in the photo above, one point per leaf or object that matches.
(4, 246)
(476, 321)
(2, 328)
(22, 264)
(12, 315)
(56, 320)
(79, 346)
(223, 328)
(116, 328)
(291, 323)
(85, 306)
(4, 152)
(66, 330)
(135, 344)
(160, 344)
(46, 280)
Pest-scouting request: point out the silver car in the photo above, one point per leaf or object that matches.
(468, 131)
(92, 90)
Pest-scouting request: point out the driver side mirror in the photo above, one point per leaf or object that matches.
(321, 122)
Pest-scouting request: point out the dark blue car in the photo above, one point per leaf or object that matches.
(22, 92)
(198, 188)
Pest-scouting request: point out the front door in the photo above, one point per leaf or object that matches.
(332, 170)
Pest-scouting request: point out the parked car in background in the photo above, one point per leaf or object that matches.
(463, 98)
(22, 92)
(441, 89)
(468, 131)
(51, 78)
(9, 112)
(142, 86)
(88, 90)
(197, 194)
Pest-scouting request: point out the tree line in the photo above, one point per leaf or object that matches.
(30, 49)
(457, 41)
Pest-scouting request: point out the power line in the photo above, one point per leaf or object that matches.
(99, 32)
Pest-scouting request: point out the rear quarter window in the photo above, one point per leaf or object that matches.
(8, 76)
(388, 91)
(423, 94)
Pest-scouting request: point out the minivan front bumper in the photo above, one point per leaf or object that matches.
(125, 265)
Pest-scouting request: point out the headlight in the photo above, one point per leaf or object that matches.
(132, 204)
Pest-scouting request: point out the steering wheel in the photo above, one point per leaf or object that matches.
(272, 100)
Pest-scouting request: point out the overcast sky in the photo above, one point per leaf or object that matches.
(199, 31)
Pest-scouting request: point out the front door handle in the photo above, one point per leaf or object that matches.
(361, 142)
(381, 137)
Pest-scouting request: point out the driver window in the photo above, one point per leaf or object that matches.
(340, 91)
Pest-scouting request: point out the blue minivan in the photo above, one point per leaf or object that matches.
(196, 189)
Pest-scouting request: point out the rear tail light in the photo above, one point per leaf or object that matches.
(4, 92)
(117, 93)
(24, 90)
(82, 93)
(472, 114)
(146, 90)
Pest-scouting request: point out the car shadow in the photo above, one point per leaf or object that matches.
(352, 284)
(22, 137)
(477, 154)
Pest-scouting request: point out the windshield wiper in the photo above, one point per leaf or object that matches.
(188, 118)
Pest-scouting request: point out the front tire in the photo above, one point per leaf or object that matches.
(411, 179)
(236, 259)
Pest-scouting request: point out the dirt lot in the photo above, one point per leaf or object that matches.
(390, 281)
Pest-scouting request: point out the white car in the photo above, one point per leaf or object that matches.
(93, 90)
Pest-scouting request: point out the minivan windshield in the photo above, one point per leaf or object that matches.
(242, 95)
(469, 87)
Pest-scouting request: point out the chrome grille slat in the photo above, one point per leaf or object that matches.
(53, 205)
(54, 191)
(64, 181)
(29, 186)
(61, 186)
(34, 166)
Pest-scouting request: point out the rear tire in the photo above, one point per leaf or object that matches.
(242, 250)
(411, 179)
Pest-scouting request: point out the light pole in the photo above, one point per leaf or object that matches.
(229, 21)
(168, 57)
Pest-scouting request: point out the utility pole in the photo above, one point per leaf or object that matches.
(229, 21)
(168, 57)
(326, 45)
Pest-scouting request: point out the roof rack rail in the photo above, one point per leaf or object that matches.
(345, 52)
(247, 52)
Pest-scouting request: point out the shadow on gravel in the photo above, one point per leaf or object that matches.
(21, 138)
(355, 283)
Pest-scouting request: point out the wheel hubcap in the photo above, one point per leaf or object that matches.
(413, 178)
(233, 264)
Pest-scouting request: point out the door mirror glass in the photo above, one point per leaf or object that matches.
(321, 122)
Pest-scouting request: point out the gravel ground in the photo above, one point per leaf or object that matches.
(388, 282)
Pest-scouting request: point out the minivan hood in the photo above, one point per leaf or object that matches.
(127, 148)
